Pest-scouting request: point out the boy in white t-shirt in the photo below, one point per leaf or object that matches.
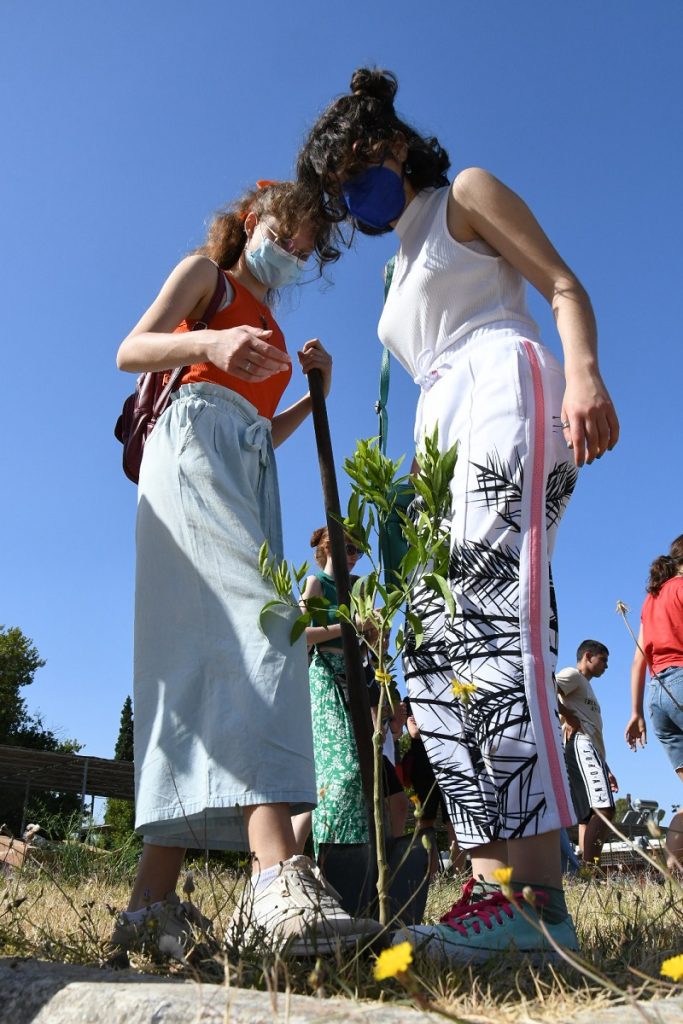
(592, 783)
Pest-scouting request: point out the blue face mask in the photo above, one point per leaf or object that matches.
(375, 197)
(272, 266)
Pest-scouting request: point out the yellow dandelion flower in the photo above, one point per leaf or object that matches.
(383, 678)
(463, 691)
(503, 875)
(622, 609)
(673, 967)
(394, 961)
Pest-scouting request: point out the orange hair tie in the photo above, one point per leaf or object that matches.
(262, 183)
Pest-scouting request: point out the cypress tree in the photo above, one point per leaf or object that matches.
(120, 814)
(123, 751)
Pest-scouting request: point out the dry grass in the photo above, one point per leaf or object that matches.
(63, 910)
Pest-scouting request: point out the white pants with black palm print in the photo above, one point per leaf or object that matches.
(498, 756)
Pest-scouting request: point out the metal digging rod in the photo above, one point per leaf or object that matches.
(359, 704)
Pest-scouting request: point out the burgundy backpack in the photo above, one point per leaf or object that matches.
(151, 397)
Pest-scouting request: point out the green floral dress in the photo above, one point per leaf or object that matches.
(340, 816)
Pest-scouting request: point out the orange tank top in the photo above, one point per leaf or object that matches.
(244, 309)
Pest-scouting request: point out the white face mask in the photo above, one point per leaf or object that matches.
(271, 265)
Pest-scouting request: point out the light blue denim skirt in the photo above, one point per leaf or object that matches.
(222, 712)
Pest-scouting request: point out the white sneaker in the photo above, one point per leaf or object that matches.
(168, 926)
(298, 911)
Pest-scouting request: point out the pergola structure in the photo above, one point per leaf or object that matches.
(65, 773)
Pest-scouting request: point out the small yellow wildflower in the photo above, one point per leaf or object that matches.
(673, 967)
(383, 678)
(503, 875)
(622, 609)
(394, 961)
(463, 691)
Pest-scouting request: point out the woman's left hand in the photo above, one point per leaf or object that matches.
(314, 357)
(587, 408)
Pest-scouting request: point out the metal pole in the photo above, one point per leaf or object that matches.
(24, 809)
(81, 833)
(359, 704)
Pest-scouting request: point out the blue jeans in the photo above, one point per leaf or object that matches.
(666, 710)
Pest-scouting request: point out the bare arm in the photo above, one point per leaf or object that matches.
(481, 206)
(565, 684)
(311, 357)
(636, 728)
(186, 293)
(573, 723)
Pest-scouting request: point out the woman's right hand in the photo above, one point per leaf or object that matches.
(369, 629)
(636, 732)
(245, 352)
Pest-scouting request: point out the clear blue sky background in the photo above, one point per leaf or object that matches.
(126, 124)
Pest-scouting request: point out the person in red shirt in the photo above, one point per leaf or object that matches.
(660, 649)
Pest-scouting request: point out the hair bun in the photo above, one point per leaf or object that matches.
(381, 85)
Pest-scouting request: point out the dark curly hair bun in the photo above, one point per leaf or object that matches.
(354, 131)
(381, 85)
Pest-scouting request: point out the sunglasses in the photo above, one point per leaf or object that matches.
(351, 549)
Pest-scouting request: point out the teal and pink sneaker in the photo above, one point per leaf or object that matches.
(480, 926)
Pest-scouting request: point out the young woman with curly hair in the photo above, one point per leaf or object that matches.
(223, 747)
(456, 318)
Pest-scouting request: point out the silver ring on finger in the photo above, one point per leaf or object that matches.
(247, 367)
(564, 424)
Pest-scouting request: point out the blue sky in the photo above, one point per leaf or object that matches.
(127, 124)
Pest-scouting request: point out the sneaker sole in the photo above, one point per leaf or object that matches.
(535, 957)
(453, 953)
(325, 945)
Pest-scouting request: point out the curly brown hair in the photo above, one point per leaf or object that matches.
(354, 130)
(665, 567)
(290, 203)
(320, 540)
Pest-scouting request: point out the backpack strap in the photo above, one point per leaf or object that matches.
(384, 371)
(216, 299)
(201, 325)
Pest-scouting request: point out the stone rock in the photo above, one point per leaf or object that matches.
(37, 992)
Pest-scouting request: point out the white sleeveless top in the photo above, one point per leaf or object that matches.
(443, 290)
